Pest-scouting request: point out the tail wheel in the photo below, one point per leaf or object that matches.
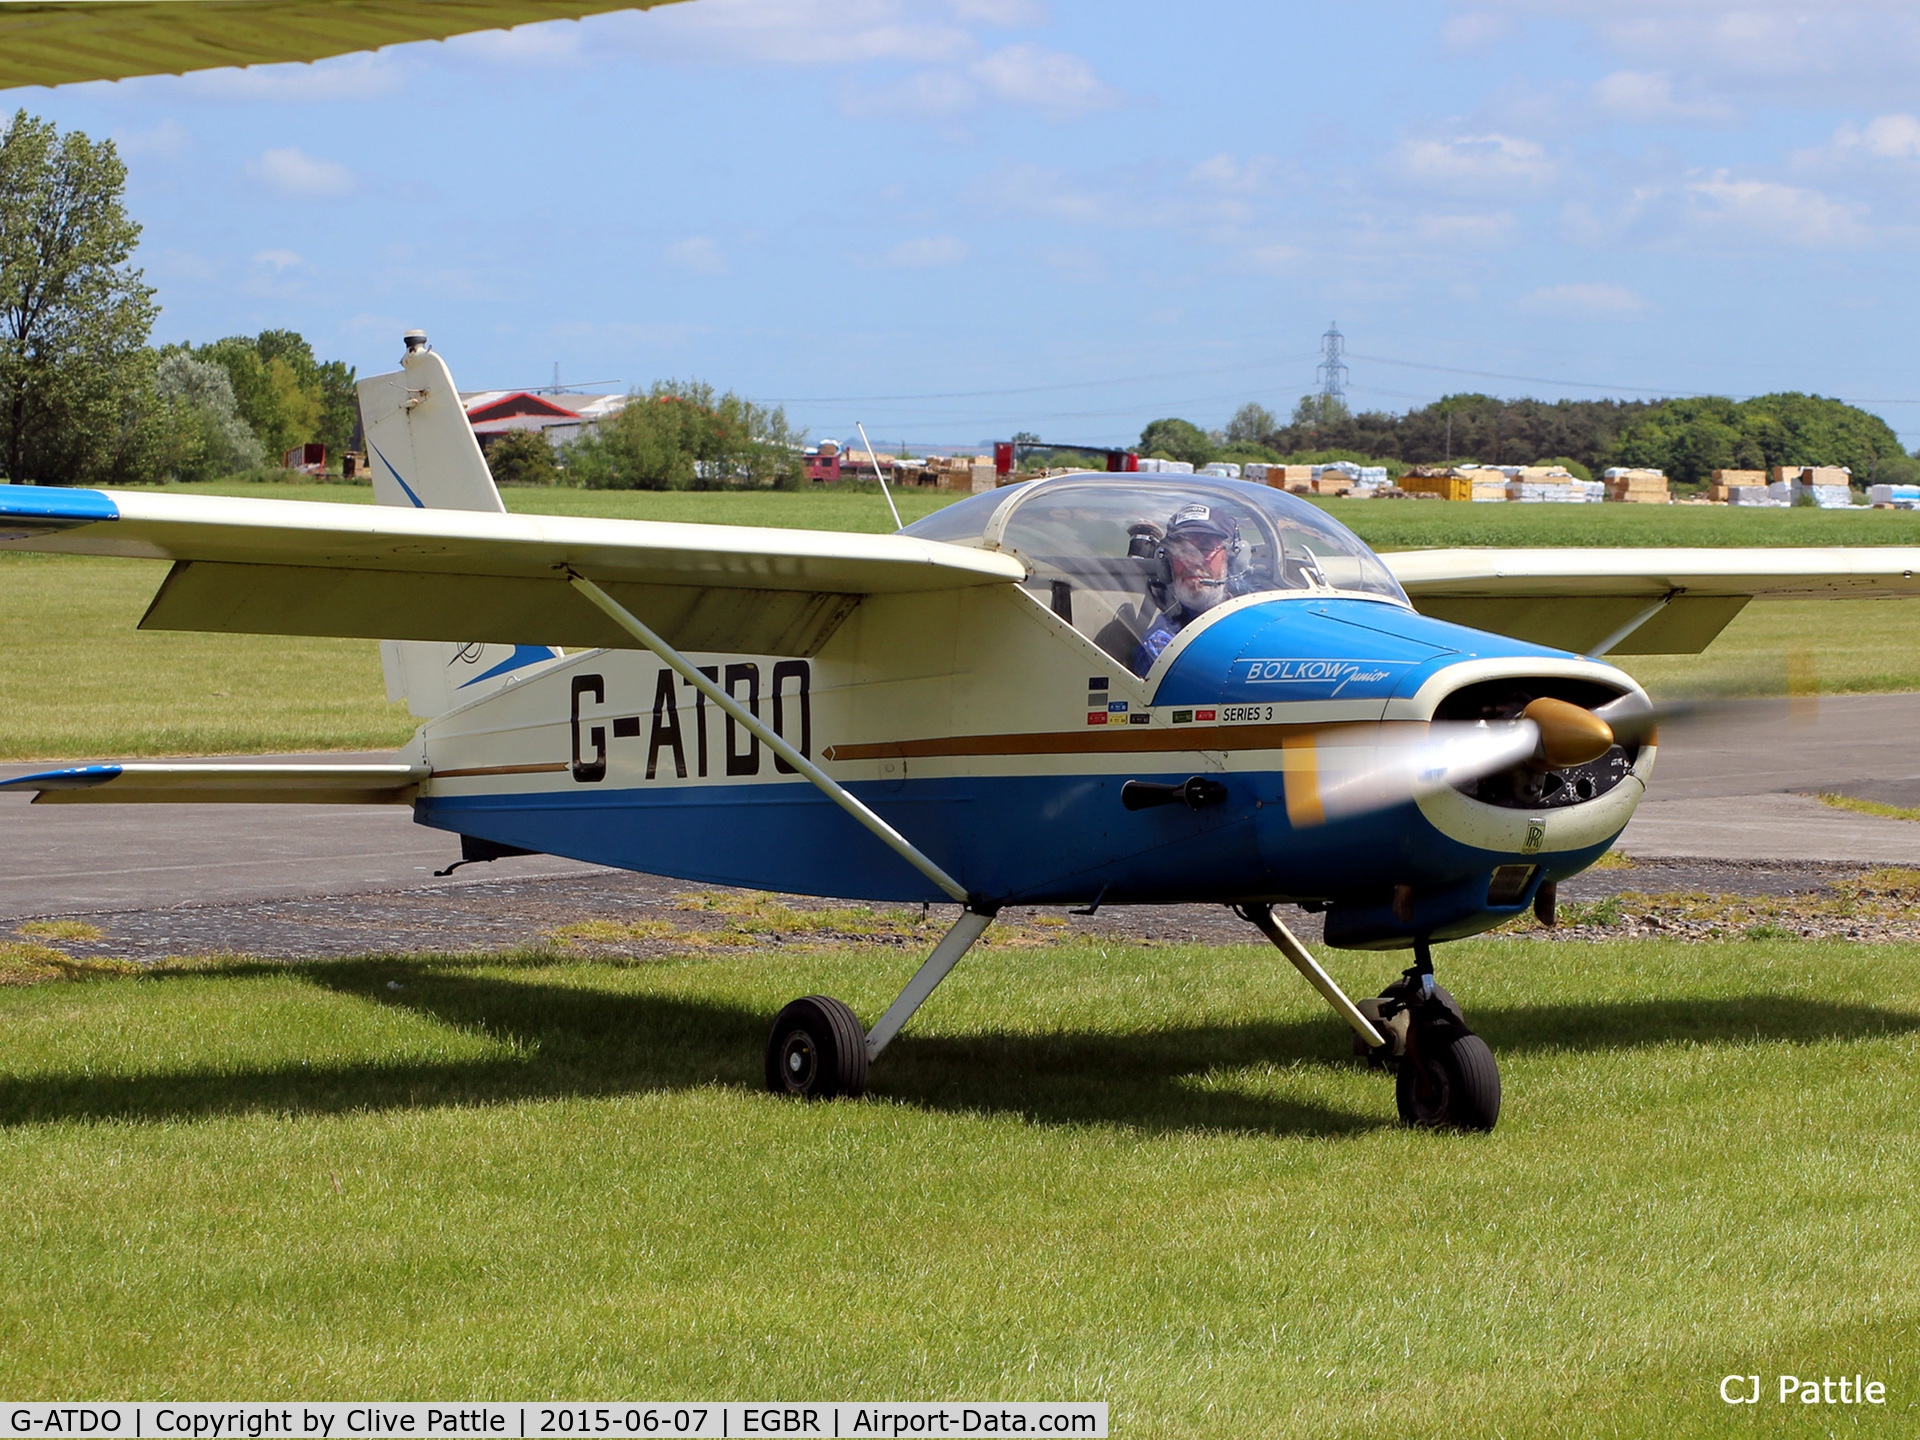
(817, 1050)
(1448, 1081)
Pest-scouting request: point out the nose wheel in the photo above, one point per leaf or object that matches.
(1445, 1078)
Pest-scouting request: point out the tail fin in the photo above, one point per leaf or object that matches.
(425, 455)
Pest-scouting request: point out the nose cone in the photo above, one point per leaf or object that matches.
(1569, 734)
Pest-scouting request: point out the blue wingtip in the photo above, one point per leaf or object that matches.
(80, 777)
(55, 504)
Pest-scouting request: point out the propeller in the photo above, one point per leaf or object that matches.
(1353, 770)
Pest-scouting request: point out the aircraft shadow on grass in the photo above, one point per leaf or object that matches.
(576, 1043)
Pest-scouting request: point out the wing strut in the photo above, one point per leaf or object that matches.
(830, 787)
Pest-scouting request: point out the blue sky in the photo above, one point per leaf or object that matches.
(954, 219)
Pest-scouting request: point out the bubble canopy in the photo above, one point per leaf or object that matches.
(1097, 548)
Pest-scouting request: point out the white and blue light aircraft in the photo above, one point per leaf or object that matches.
(1004, 703)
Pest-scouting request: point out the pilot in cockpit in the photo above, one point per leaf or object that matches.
(1195, 552)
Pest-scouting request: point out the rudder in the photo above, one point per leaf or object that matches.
(425, 456)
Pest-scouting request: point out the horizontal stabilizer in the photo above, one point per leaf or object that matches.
(189, 784)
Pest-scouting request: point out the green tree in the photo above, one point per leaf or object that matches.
(522, 457)
(681, 435)
(1251, 425)
(200, 434)
(1688, 439)
(1173, 439)
(287, 397)
(75, 373)
(1691, 438)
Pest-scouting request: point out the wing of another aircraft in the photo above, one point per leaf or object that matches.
(59, 42)
(137, 782)
(1636, 602)
(288, 567)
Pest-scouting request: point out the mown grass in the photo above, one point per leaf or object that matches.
(1149, 1175)
(1870, 807)
(1796, 647)
(1420, 524)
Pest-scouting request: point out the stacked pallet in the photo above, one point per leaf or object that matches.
(1827, 486)
(1719, 488)
(1637, 487)
(1290, 477)
(1894, 497)
(1545, 485)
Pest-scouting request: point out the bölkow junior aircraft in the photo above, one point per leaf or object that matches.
(1082, 690)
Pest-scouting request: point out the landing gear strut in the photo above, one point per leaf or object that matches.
(818, 1050)
(1446, 1078)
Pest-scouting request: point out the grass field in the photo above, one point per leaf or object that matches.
(82, 682)
(1148, 1175)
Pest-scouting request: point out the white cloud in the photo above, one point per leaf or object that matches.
(166, 141)
(1464, 231)
(1050, 80)
(1076, 263)
(1476, 162)
(1233, 176)
(927, 252)
(1035, 190)
(1588, 300)
(348, 78)
(1645, 97)
(1007, 14)
(698, 254)
(924, 94)
(1888, 137)
(1475, 30)
(1767, 211)
(292, 171)
(278, 259)
(552, 42)
(1835, 49)
(1274, 259)
(800, 32)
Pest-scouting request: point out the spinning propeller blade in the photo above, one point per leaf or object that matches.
(1353, 770)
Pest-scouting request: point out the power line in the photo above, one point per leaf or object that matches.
(1034, 389)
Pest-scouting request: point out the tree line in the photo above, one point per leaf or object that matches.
(1687, 438)
(85, 399)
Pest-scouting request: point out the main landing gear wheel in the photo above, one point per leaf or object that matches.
(817, 1050)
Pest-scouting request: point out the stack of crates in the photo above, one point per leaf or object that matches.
(1829, 486)
(1637, 487)
(1719, 490)
(1545, 484)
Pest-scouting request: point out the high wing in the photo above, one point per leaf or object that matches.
(59, 42)
(286, 567)
(1636, 602)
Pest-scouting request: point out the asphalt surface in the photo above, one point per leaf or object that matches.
(1742, 783)
(1734, 809)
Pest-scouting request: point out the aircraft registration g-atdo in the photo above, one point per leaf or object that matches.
(1083, 690)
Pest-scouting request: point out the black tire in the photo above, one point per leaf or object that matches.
(1448, 1081)
(817, 1050)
